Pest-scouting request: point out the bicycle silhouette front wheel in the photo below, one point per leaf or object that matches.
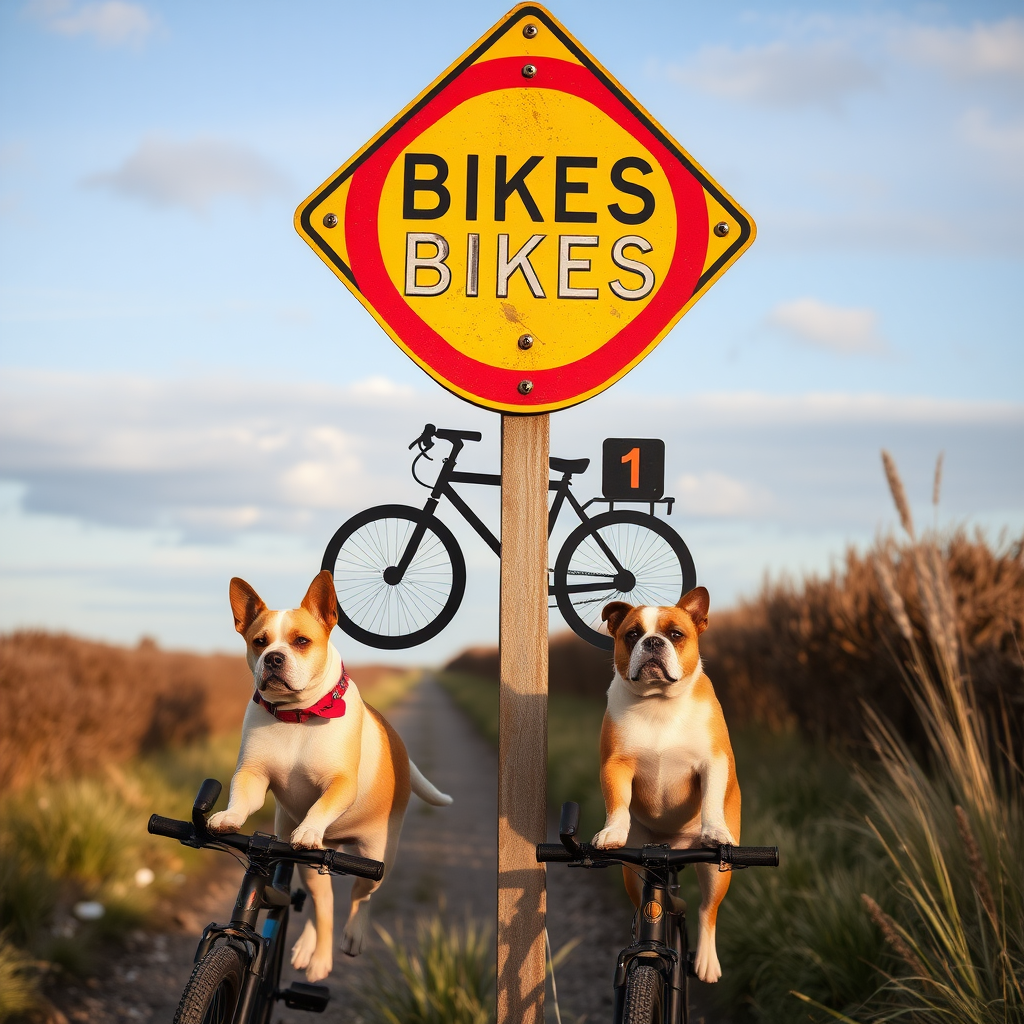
(381, 602)
(619, 556)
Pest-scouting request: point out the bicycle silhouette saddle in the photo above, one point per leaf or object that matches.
(569, 465)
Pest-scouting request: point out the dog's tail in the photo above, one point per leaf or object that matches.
(425, 789)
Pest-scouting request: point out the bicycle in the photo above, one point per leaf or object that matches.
(237, 970)
(400, 574)
(650, 980)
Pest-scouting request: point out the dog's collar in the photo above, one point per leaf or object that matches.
(331, 705)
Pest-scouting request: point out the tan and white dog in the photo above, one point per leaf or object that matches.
(338, 771)
(667, 768)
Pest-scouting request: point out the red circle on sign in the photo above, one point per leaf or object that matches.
(555, 384)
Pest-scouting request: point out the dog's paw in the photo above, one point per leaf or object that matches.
(320, 965)
(305, 837)
(716, 835)
(352, 937)
(225, 821)
(305, 946)
(611, 837)
(705, 964)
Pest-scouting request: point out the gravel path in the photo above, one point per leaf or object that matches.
(446, 853)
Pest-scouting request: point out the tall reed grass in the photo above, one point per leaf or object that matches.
(952, 829)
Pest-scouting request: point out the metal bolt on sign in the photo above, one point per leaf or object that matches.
(524, 185)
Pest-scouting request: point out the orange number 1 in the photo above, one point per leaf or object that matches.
(633, 458)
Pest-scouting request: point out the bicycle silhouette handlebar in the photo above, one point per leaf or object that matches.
(426, 439)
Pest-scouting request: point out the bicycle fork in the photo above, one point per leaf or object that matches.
(660, 941)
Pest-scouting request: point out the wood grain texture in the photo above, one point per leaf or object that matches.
(522, 742)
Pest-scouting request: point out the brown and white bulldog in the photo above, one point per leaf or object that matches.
(339, 773)
(667, 768)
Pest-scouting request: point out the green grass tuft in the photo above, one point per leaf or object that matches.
(445, 976)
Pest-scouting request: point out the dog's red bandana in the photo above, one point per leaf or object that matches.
(331, 705)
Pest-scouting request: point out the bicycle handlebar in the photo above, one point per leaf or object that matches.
(258, 846)
(269, 847)
(571, 851)
(588, 855)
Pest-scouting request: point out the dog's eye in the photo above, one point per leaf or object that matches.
(260, 641)
(301, 641)
(676, 634)
(633, 634)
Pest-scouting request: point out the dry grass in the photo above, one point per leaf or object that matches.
(574, 666)
(953, 834)
(814, 654)
(93, 704)
(89, 705)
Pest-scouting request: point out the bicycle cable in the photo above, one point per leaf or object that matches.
(422, 483)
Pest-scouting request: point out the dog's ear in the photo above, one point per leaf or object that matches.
(246, 604)
(321, 600)
(614, 613)
(696, 604)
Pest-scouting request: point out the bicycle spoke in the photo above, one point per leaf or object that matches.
(403, 608)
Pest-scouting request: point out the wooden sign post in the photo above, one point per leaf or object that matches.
(526, 233)
(522, 717)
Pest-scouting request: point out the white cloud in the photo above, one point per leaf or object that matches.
(191, 174)
(781, 74)
(203, 456)
(713, 494)
(986, 49)
(110, 22)
(832, 328)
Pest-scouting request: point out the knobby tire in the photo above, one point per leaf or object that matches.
(212, 991)
(644, 994)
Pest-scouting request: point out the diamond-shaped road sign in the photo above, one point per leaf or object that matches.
(524, 229)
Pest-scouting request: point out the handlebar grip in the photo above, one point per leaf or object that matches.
(346, 864)
(207, 796)
(553, 852)
(751, 856)
(171, 827)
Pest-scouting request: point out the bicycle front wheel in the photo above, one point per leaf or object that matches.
(212, 992)
(644, 992)
(619, 556)
(376, 605)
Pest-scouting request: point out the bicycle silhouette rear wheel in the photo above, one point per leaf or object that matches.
(374, 606)
(211, 994)
(619, 556)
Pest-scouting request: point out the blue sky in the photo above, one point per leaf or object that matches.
(186, 393)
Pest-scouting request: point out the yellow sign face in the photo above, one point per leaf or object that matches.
(524, 230)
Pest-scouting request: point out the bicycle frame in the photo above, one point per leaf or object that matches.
(257, 892)
(443, 488)
(660, 942)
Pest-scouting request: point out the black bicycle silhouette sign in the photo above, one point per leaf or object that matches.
(400, 574)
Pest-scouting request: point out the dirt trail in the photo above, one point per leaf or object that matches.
(447, 852)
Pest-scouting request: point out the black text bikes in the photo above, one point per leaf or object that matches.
(237, 973)
(400, 574)
(651, 973)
